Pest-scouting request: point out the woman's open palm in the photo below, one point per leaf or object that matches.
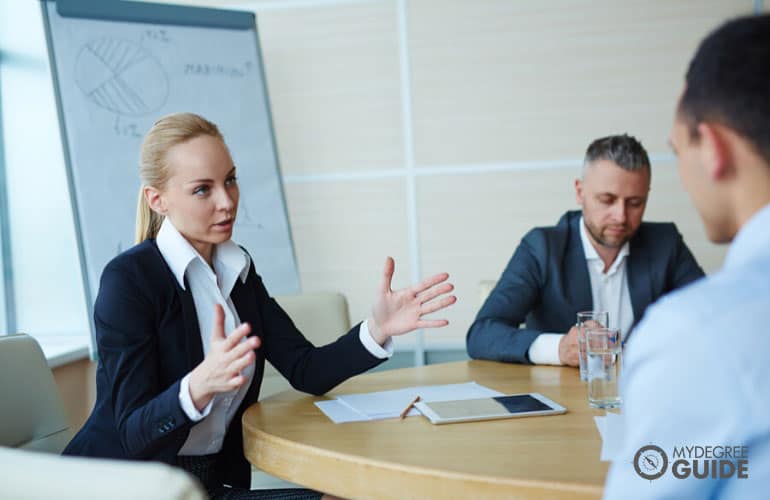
(396, 312)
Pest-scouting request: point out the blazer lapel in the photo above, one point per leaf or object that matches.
(578, 283)
(639, 286)
(193, 342)
(244, 297)
(245, 301)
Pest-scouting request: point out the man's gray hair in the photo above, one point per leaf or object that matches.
(623, 150)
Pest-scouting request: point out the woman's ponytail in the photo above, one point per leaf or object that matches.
(147, 220)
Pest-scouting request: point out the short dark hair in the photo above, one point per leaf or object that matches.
(624, 150)
(728, 82)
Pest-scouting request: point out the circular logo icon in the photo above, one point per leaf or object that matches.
(650, 462)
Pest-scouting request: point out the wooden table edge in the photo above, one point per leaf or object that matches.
(423, 480)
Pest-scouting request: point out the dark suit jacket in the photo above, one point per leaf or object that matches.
(148, 339)
(546, 283)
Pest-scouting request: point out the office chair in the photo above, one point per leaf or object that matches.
(42, 476)
(31, 412)
(484, 289)
(321, 316)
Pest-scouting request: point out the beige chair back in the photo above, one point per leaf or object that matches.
(321, 316)
(31, 411)
(485, 288)
(43, 476)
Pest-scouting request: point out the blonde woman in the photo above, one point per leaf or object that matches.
(184, 324)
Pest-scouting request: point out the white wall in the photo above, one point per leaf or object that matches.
(435, 131)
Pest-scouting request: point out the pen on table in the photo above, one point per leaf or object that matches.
(406, 410)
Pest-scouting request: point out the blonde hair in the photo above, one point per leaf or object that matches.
(154, 170)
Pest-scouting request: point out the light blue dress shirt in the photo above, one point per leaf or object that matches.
(699, 375)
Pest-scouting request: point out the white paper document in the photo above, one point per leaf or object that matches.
(339, 412)
(611, 430)
(390, 404)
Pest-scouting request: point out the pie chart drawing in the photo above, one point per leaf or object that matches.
(121, 76)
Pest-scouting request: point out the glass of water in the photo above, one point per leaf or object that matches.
(588, 319)
(603, 356)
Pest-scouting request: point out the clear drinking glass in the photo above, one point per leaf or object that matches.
(595, 319)
(603, 359)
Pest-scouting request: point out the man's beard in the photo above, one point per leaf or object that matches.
(596, 235)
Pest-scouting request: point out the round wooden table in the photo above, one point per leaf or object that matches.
(555, 456)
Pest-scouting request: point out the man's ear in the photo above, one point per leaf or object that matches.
(714, 152)
(579, 191)
(155, 200)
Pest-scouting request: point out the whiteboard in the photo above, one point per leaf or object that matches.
(119, 66)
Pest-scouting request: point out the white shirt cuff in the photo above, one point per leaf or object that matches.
(376, 350)
(185, 401)
(545, 349)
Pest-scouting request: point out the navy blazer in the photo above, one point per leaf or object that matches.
(546, 283)
(148, 339)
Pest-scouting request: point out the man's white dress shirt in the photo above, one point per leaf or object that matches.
(609, 292)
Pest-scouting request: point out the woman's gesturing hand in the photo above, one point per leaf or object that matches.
(220, 371)
(401, 311)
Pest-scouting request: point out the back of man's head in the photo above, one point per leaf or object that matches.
(623, 150)
(728, 82)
